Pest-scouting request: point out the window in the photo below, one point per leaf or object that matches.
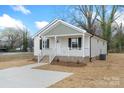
(41, 44)
(45, 44)
(74, 43)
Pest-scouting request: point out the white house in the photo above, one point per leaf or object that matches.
(65, 41)
(3, 43)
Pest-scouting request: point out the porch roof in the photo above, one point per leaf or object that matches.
(67, 35)
(64, 26)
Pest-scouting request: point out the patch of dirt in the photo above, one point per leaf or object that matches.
(7, 61)
(20, 56)
(15, 63)
(69, 64)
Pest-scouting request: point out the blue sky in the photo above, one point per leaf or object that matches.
(33, 17)
(30, 16)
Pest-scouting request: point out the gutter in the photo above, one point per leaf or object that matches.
(90, 59)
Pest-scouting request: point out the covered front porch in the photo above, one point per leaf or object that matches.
(64, 45)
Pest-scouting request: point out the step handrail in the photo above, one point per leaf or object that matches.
(40, 56)
(52, 55)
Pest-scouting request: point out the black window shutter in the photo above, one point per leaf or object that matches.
(47, 43)
(43, 44)
(40, 43)
(79, 42)
(69, 42)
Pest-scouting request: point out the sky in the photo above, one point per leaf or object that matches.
(32, 17)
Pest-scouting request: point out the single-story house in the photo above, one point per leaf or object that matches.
(3, 45)
(62, 40)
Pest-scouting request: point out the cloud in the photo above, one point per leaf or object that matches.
(41, 24)
(8, 22)
(21, 9)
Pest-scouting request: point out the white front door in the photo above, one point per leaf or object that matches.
(58, 46)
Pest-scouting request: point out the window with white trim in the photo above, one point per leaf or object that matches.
(74, 43)
(46, 43)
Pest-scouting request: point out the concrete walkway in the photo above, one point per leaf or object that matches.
(26, 77)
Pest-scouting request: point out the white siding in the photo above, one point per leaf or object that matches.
(66, 52)
(87, 46)
(61, 29)
(36, 46)
(97, 47)
(63, 50)
(52, 42)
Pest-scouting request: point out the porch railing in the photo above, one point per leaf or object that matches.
(65, 52)
(40, 56)
(52, 55)
(71, 52)
(50, 52)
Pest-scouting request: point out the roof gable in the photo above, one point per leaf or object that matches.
(55, 23)
(43, 29)
(61, 29)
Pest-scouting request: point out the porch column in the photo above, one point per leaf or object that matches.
(83, 40)
(55, 44)
(42, 42)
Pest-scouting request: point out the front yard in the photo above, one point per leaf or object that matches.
(13, 60)
(109, 73)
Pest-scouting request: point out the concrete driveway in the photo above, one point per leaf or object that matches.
(26, 77)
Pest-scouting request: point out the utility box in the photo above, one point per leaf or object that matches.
(102, 56)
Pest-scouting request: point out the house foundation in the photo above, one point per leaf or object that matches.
(71, 59)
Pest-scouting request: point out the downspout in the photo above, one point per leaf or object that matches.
(90, 59)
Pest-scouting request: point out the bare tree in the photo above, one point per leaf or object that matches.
(13, 36)
(118, 38)
(25, 40)
(85, 16)
(107, 15)
(96, 19)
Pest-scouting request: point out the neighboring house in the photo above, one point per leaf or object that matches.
(3, 43)
(67, 42)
